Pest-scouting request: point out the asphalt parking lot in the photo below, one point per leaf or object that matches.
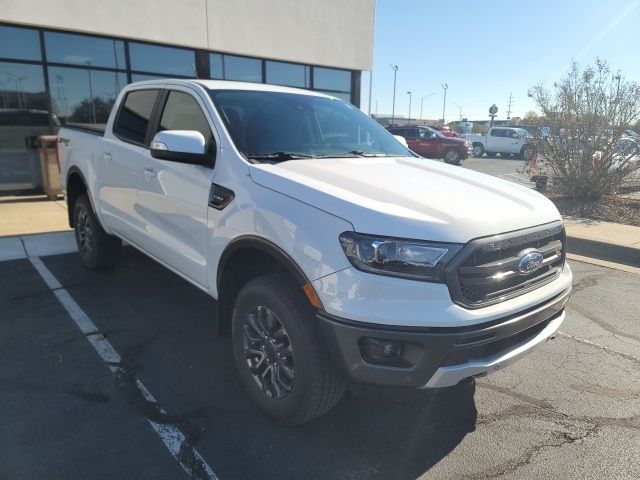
(569, 410)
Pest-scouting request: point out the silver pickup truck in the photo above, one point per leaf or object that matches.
(503, 140)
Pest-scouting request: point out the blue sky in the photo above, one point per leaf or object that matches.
(485, 50)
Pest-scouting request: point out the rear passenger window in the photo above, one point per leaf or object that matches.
(134, 116)
(182, 112)
(497, 133)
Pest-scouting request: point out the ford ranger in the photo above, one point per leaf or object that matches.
(336, 255)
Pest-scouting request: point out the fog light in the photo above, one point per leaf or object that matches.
(379, 350)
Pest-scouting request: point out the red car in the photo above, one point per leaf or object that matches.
(446, 131)
(430, 143)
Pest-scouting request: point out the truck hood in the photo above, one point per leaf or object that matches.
(408, 197)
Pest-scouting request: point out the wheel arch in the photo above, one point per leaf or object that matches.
(244, 259)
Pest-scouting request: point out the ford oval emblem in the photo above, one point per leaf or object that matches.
(530, 262)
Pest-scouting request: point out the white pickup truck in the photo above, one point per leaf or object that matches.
(503, 140)
(336, 255)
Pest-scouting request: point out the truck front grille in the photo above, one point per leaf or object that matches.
(486, 270)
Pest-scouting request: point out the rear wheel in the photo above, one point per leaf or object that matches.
(478, 150)
(279, 352)
(527, 152)
(98, 249)
(452, 157)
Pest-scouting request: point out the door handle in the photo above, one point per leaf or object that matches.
(107, 156)
(149, 173)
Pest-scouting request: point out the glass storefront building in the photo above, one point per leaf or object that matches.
(49, 77)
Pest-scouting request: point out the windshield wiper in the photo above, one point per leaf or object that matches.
(279, 156)
(354, 153)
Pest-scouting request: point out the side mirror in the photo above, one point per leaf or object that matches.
(402, 140)
(183, 146)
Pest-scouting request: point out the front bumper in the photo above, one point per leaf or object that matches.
(442, 356)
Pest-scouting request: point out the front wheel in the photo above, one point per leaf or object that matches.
(452, 157)
(279, 353)
(98, 250)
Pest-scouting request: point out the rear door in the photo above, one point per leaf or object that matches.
(174, 196)
(120, 159)
(427, 142)
(496, 141)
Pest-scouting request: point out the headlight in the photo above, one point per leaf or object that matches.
(398, 257)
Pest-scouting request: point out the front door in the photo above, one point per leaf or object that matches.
(174, 196)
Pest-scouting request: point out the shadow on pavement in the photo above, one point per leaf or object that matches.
(164, 329)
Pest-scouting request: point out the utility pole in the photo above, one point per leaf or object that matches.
(422, 102)
(509, 107)
(409, 121)
(444, 102)
(393, 107)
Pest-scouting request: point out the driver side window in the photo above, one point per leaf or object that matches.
(182, 112)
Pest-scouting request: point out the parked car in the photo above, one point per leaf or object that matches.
(430, 143)
(335, 254)
(503, 140)
(444, 130)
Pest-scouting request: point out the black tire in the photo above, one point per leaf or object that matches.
(478, 150)
(452, 157)
(314, 387)
(527, 152)
(98, 250)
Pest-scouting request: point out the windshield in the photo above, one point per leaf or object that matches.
(282, 126)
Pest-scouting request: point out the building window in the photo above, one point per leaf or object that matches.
(289, 74)
(19, 43)
(141, 77)
(82, 95)
(23, 116)
(331, 79)
(84, 50)
(232, 67)
(162, 60)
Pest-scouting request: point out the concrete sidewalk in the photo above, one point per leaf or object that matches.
(22, 216)
(607, 241)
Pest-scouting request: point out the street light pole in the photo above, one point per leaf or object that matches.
(444, 102)
(409, 121)
(459, 110)
(393, 107)
(422, 102)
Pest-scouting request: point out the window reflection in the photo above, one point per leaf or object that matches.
(289, 74)
(23, 116)
(19, 43)
(331, 79)
(84, 95)
(232, 67)
(165, 60)
(84, 50)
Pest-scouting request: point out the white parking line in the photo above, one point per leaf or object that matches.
(174, 440)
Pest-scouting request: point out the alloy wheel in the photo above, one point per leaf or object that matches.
(85, 233)
(268, 353)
